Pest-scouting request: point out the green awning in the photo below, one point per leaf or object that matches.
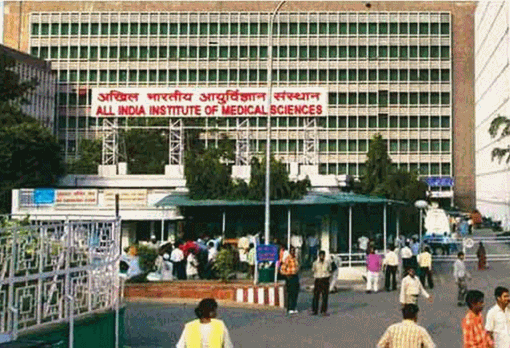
(312, 198)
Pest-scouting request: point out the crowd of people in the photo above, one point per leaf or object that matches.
(494, 333)
(195, 259)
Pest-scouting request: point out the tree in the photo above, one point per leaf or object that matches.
(378, 167)
(147, 150)
(12, 90)
(280, 185)
(404, 186)
(381, 180)
(90, 158)
(208, 175)
(500, 152)
(29, 157)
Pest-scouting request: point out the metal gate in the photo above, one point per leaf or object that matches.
(57, 271)
(497, 248)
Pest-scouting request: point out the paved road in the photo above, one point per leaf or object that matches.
(357, 319)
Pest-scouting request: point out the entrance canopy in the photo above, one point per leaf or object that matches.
(312, 198)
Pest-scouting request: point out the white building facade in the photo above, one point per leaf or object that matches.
(492, 74)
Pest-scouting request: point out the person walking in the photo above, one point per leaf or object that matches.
(374, 264)
(498, 319)
(415, 248)
(482, 258)
(406, 333)
(192, 265)
(313, 245)
(473, 332)
(177, 258)
(206, 331)
(411, 288)
(321, 273)
(460, 274)
(406, 254)
(425, 264)
(290, 269)
(336, 263)
(390, 265)
(251, 261)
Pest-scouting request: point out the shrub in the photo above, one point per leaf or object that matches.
(147, 257)
(224, 264)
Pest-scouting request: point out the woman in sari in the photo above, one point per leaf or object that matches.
(482, 259)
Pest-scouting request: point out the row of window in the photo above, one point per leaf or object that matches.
(331, 122)
(241, 52)
(193, 29)
(256, 75)
(384, 98)
(356, 169)
(396, 146)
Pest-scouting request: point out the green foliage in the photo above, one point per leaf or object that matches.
(404, 186)
(224, 264)
(380, 180)
(90, 158)
(29, 156)
(147, 150)
(147, 257)
(281, 187)
(500, 153)
(378, 167)
(209, 176)
(12, 91)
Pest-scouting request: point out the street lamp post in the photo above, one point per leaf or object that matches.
(268, 136)
(421, 205)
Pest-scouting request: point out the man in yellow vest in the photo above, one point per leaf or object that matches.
(206, 331)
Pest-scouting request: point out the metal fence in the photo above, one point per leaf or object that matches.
(57, 271)
(496, 249)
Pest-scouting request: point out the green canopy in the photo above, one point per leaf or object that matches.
(312, 198)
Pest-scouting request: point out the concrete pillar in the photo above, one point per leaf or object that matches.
(324, 233)
(153, 231)
(128, 233)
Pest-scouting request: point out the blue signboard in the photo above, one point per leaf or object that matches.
(435, 181)
(267, 252)
(44, 196)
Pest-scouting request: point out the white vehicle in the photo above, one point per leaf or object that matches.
(438, 231)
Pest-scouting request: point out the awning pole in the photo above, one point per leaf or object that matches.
(223, 227)
(385, 225)
(162, 230)
(288, 228)
(350, 236)
(398, 226)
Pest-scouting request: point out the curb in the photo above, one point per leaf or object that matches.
(192, 301)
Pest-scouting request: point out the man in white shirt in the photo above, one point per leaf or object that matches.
(177, 258)
(406, 254)
(391, 264)
(411, 288)
(211, 257)
(425, 264)
(498, 319)
(461, 275)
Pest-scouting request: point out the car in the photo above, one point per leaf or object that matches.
(441, 245)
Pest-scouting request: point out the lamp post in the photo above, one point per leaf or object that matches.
(268, 136)
(421, 205)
